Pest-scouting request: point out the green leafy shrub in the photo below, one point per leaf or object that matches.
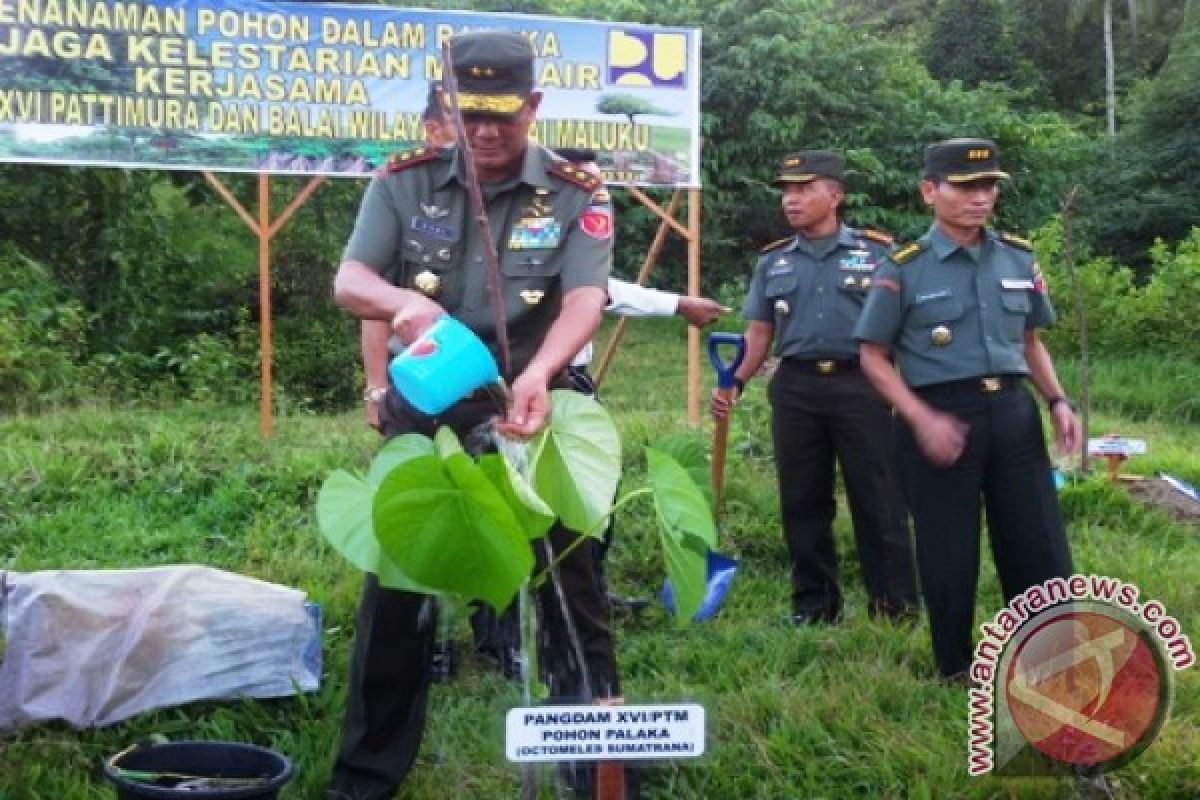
(42, 336)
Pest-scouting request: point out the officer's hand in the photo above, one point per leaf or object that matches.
(941, 437)
(530, 408)
(700, 311)
(373, 415)
(418, 313)
(721, 403)
(1066, 428)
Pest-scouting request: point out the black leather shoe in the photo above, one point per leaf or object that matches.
(621, 603)
(804, 618)
(510, 661)
(443, 667)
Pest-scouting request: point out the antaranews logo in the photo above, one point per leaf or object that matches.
(1074, 673)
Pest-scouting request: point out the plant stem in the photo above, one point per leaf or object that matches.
(540, 578)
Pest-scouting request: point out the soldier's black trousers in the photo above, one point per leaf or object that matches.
(816, 418)
(393, 645)
(1004, 463)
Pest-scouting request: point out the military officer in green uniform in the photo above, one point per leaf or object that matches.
(806, 295)
(416, 253)
(959, 310)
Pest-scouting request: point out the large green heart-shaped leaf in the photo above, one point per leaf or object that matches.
(688, 571)
(680, 503)
(690, 451)
(447, 526)
(395, 452)
(534, 516)
(686, 531)
(344, 518)
(576, 462)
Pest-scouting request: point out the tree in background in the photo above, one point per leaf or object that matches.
(1148, 189)
(970, 42)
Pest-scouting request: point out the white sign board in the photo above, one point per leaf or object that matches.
(1116, 446)
(604, 733)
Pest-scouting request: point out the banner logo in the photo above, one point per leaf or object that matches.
(642, 58)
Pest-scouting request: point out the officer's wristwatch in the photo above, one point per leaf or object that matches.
(1054, 401)
(374, 394)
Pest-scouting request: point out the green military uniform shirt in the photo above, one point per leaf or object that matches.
(812, 291)
(949, 313)
(552, 226)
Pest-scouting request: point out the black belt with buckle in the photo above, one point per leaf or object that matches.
(823, 366)
(984, 384)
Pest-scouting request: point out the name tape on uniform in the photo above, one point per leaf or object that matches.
(604, 733)
(1116, 446)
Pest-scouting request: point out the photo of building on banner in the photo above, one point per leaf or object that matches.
(308, 88)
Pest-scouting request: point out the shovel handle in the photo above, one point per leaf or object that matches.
(726, 369)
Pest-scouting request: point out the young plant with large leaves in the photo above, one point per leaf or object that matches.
(428, 517)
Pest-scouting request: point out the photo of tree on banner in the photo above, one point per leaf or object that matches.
(316, 89)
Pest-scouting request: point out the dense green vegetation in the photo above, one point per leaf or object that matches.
(850, 711)
(134, 285)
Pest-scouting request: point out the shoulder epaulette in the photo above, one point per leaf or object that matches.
(877, 236)
(775, 245)
(1017, 241)
(906, 252)
(410, 158)
(575, 174)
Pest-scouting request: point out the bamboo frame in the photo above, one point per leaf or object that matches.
(264, 228)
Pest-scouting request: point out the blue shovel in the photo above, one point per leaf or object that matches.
(720, 569)
(728, 388)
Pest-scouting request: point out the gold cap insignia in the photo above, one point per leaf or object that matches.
(427, 283)
(532, 296)
(941, 336)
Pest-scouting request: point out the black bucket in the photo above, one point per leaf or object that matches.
(198, 771)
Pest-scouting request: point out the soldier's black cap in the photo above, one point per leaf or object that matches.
(494, 70)
(963, 160)
(576, 155)
(433, 101)
(808, 165)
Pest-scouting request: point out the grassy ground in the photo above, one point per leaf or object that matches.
(842, 712)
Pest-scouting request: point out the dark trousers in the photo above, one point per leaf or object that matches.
(394, 634)
(1004, 464)
(816, 419)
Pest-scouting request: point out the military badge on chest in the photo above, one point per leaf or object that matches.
(856, 268)
(537, 228)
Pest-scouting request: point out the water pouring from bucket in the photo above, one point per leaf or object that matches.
(443, 365)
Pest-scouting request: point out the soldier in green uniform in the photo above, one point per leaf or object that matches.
(806, 295)
(416, 253)
(959, 309)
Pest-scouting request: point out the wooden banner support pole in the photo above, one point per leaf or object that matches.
(691, 234)
(656, 246)
(264, 229)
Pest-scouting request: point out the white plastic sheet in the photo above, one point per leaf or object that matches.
(93, 647)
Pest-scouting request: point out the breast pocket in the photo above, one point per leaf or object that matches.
(1016, 305)
(935, 323)
(428, 266)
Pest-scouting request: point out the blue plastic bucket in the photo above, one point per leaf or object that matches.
(719, 575)
(444, 365)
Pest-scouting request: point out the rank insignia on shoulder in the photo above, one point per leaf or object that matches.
(409, 158)
(878, 236)
(571, 173)
(906, 253)
(775, 245)
(1018, 242)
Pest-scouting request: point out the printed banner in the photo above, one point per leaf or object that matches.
(311, 88)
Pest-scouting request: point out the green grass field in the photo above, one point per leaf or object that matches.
(843, 712)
